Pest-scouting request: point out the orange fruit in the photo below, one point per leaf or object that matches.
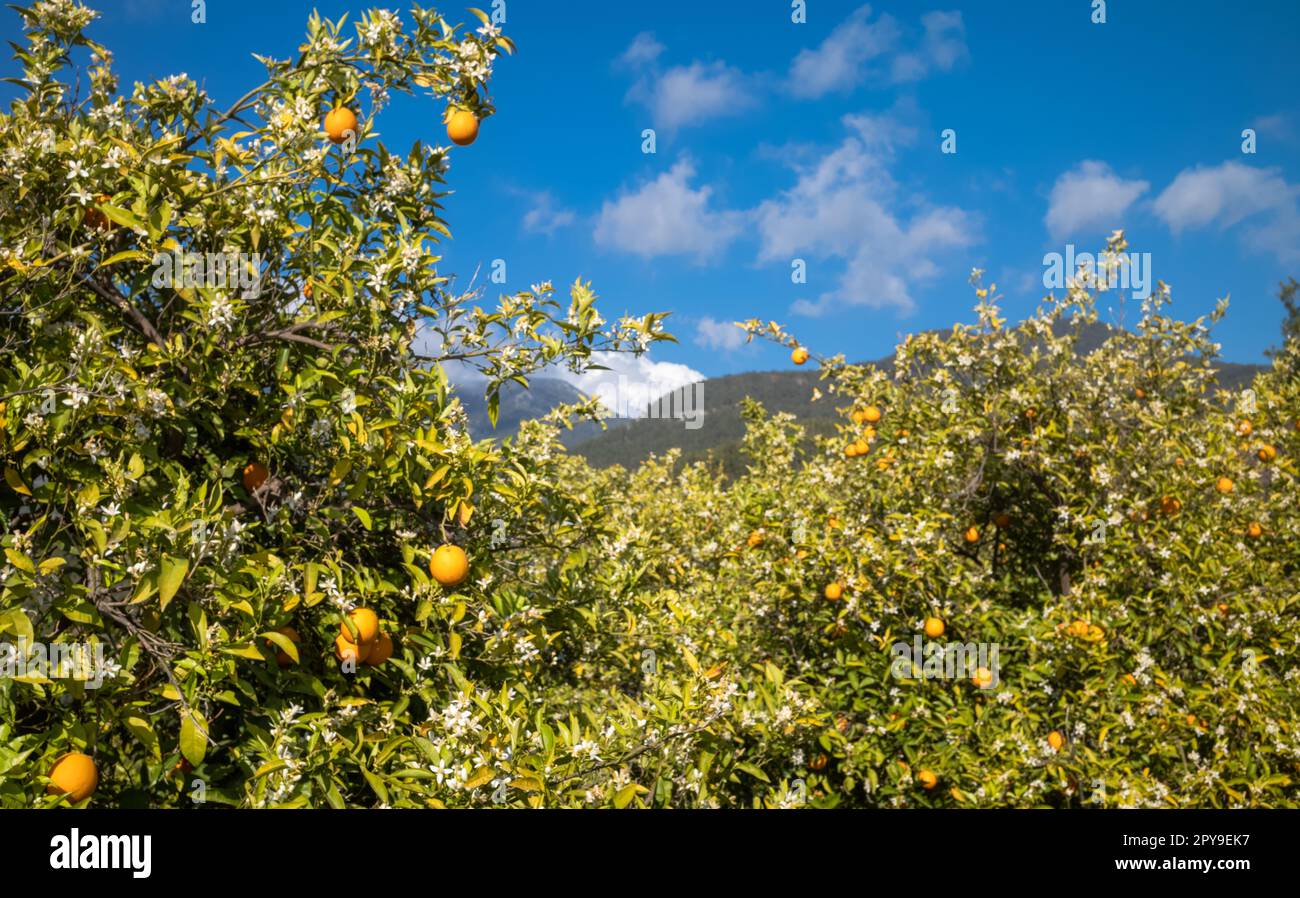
(1079, 628)
(927, 779)
(1224, 485)
(75, 776)
(1254, 529)
(380, 651)
(1171, 505)
(983, 677)
(1056, 740)
(972, 534)
(851, 450)
(799, 356)
(462, 127)
(1244, 427)
(346, 650)
(755, 539)
(833, 591)
(933, 627)
(366, 623)
(871, 414)
(818, 762)
(255, 475)
(1266, 453)
(1130, 679)
(1223, 608)
(449, 565)
(282, 657)
(861, 447)
(1002, 520)
(340, 124)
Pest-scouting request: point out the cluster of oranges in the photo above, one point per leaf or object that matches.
(866, 418)
(361, 641)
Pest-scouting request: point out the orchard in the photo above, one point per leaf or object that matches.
(311, 587)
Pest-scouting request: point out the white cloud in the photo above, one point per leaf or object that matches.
(840, 61)
(1090, 196)
(544, 216)
(628, 382)
(1227, 194)
(643, 50)
(1221, 194)
(847, 207)
(666, 217)
(714, 334)
(683, 95)
(943, 46)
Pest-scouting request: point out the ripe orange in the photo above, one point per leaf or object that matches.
(255, 475)
(281, 656)
(933, 627)
(972, 534)
(799, 356)
(75, 776)
(861, 447)
(833, 591)
(851, 450)
(340, 124)
(1267, 453)
(380, 651)
(462, 127)
(1079, 628)
(755, 539)
(1223, 608)
(449, 565)
(871, 414)
(983, 677)
(1244, 427)
(345, 650)
(1224, 485)
(1170, 505)
(1254, 529)
(1056, 740)
(366, 623)
(927, 779)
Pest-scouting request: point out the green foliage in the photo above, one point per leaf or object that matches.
(658, 638)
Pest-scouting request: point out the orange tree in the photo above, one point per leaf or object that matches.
(207, 470)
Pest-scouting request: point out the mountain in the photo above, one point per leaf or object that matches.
(628, 442)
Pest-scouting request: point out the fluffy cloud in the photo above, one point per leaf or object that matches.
(643, 50)
(714, 334)
(847, 207)
(627, 382)
(683, 95)
(859, 50)
(544, 216)
(1090, 196)
(943, 46)
(666, 216)
(841, 61)
(1227, 194)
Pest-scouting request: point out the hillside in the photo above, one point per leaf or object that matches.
(629, 442)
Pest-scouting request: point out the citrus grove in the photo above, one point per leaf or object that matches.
(311, 587)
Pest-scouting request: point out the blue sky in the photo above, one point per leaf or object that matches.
(821, 141)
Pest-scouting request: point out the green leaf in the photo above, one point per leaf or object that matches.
(194, 736)
(171, 575)
(623, 797)
(753, 771)
(363, 516)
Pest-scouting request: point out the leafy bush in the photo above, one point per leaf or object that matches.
(657, 638)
